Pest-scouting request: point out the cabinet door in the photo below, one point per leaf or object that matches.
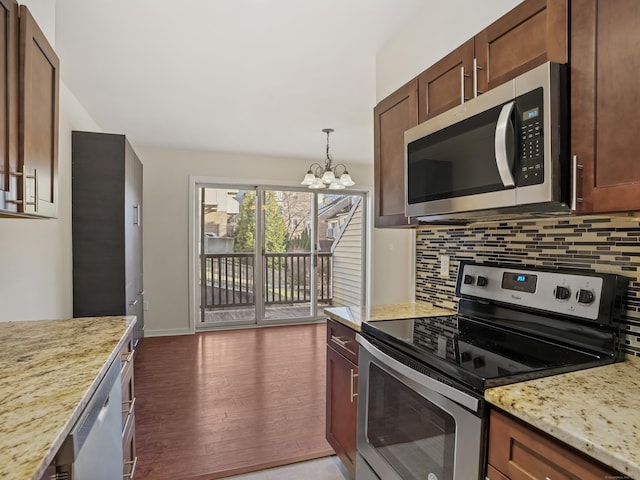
(392, 117)
(139, 332)
(8, 105)
(493, 474)
(521, 453)
(605, 98)
(129, 450)
(531, 34)
(447, 83)
(38, 152)
(342, 407)
(133, 219)
(133, 237)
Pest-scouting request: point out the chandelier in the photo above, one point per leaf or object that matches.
(333, 178)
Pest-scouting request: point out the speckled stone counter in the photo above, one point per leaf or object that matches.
(353, 317)
(48, 372)
(596, 411)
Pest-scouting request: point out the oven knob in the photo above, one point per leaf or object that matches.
(465, 356)
(468, 280)
(482, 281)
(585, 296)
(562, 293)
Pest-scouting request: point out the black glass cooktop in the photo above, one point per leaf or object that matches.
(478, 354)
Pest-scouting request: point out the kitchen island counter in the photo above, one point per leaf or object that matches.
(353, 317)
(596, 411)
(50, 369)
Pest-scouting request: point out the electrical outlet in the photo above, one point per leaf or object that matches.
(444, 266)
(145, 306)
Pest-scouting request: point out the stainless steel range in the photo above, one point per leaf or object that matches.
(421, 412)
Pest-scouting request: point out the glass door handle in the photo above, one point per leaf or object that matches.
(502, 159)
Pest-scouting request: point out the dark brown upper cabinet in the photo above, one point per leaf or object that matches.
(8, 105)
(447, 83)
(30, 72)
(605, 100)
(38, 144)
(534, 32)
(392, 116)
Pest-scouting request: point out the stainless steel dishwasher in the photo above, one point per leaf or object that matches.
(93, 448)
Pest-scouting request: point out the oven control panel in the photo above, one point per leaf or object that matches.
(572, 294)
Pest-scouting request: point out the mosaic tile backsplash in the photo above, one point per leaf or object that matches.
(602, 244)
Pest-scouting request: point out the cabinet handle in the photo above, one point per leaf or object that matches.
(352, 393)
(136, 215)
(342, 343)
(462, 77)
(133, 303)
(131, 404)
(126, 357)
(35, 189)
(575, 166)
(133, 464)
(476, 67)
(26, 177)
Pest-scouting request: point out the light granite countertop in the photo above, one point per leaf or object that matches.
(48, 371)
(596, 411)
(353, 317)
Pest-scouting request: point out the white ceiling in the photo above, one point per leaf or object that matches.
(252, 76)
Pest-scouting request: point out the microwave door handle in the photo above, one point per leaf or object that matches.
(502, 130)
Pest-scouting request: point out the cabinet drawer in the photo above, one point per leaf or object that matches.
(493, 474)
(343, 340)
(126, 378)
(129, 449)
(519, 451)
(128, 394)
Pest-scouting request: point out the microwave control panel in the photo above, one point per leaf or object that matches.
(531, 145)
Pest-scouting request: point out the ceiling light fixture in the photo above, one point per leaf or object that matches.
(327, 177)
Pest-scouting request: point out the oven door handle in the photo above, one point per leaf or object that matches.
(451, 393)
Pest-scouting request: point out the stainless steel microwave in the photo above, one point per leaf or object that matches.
(502, 153)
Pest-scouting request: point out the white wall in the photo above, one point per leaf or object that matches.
(436, 30)
(166, 212)
(35, 254)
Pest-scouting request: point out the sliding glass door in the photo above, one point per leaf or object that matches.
(267, 255)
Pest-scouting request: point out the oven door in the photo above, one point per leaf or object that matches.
(411, 426)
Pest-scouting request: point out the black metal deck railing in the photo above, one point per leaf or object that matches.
(228, 279)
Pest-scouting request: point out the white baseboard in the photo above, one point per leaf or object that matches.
(167, 332)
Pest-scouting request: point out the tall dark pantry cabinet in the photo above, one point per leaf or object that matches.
(107, 228)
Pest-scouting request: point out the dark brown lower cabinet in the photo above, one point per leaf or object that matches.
(342, 391)
(518, 452)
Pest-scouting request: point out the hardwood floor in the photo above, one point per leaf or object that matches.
(221, 403)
